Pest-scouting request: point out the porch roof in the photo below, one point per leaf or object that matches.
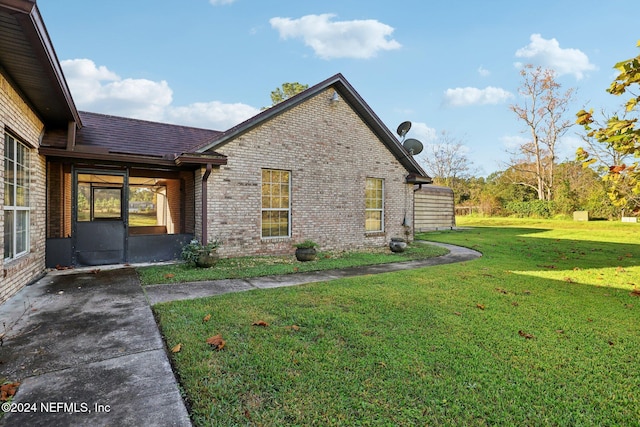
(106, 137)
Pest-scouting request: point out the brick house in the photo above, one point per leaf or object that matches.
(83, 188)
(33, 98)
(321, 166)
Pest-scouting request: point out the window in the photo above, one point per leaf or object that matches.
(276, 210)
(374, 205)
(147, 204)
(99, 197)
(16, 198)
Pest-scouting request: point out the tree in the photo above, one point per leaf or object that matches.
(83, 203)
(543, 111)
(601, 156)
(580, 188)
(621, 135)
(447, 163)
(286, 91)
(445, 160)
(507, 185)
(478, 195)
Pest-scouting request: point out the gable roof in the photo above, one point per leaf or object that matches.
(125, 139)
(340, 84)
(29, 62)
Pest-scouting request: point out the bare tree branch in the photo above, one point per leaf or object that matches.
(446, 159)
(543, 112)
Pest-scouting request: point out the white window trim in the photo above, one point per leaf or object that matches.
(288, 209)
(9, 138)
(381, 210)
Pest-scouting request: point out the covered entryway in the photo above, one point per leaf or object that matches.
(100, 218)
(123, 190)
(114, 215)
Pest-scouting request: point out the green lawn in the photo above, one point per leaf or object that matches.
(142, 219)
(542, 330)
(244, 267)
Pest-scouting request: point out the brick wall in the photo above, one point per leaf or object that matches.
(68, 191)
(188, 215)
(55, 200)
(173, 206)
(17, 118)
(58, 200)
(330, 153)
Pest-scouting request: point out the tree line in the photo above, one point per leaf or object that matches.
(604, 178)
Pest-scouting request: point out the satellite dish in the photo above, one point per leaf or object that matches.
(404, 128)
(413, 146)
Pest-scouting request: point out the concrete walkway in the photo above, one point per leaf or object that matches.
(87, 352)
(192, 290)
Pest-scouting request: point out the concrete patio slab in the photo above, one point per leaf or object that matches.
(88, 338)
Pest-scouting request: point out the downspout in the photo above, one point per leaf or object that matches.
(204, 215)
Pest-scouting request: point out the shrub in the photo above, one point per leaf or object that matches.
(192, 250)
(533, 208)
(307, 244)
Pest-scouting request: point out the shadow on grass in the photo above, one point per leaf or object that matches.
(597, 260)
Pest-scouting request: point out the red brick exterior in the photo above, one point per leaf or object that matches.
(188, 213)
(58, 200)
(17, 118)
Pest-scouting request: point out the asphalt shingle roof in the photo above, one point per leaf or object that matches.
(121, 135)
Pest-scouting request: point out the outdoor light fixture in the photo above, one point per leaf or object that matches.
(334, 98)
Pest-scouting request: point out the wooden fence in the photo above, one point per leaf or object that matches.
(434, 208)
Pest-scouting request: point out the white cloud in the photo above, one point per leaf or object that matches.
(97, 89)
(200, 113)
(360, 39)
(483, 71)
(221, 2)
(464, 96)
(423, 132)
(567, 146)
(512, 142)
(549, 54)
(86, 79)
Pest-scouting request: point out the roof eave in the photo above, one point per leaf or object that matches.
(22, 6)
(101, 156)
(97, 155)
(185, 159)
(28, 15)
(347, 92)
(413, 178)
(380, 129)
(267, 114)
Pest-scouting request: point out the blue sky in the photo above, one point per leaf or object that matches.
(445, 66)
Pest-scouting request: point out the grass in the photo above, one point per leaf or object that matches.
(542, 330)
(244, 267)
(141, 219)
(599, 253)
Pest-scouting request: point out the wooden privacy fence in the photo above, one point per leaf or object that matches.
(433, 208)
